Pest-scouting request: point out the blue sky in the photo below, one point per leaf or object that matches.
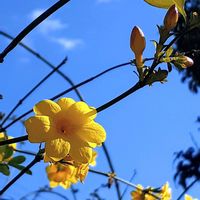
(143, 130)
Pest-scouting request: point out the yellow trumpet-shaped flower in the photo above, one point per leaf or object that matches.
(67, 128)
(65, 175)
(168, 3)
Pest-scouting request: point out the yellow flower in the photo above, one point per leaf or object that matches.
(65, 175)
(188, 197)
(166, 192)
(67, 128)
(168, 3)
(138, 194)
(6, 151)
(151, 194)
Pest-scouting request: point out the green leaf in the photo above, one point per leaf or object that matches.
(8, 152)
(17, 160)
(169, 52)
(157, 76)
(20, 167)
(4, 169)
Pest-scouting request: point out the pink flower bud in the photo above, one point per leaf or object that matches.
(171, 18)
(137, 44)
(185, 61)
(188, 62)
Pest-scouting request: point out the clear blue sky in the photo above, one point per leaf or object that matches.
(143, 130)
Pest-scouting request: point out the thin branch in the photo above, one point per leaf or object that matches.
(187, 188)
(69, 90)
(24, 152)
(122, 181)
(73, 192)
(14, 140)
(125, 190)
(31, 26)
(36, 160)
(32, 90)
(112, 169)
(44, 60)
(43, 190)
(133, 89)
(56, 193)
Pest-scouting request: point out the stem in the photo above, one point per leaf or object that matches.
(68, 90)
(36, 160)
(125, 190)
(120, 97)
(14, 140)
(32, 90)
(44, 60)
(73, 192)
(25, 152)
(122, 181)
(31, 26)
(187, 188)
(112, 169)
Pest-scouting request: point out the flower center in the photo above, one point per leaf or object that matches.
(64, 127)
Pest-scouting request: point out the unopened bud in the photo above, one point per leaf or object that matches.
(185, 61)
(171, 18)
(137, 44)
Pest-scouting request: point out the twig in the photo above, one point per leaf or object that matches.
(112, 169)
(122, 181)
(24, 152)
(36, 160)
(14, 140)
(43, 190)
(32, 90)
(69, 90)
(73, 192)
(31, 26)
(125, 190)
(44, 60)
(187, 188)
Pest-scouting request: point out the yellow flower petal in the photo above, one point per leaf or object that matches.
(57, 149)
(93, 133)
(46, 107)
(93, 160)
(65, 103)
(53, 184)
(81, 113)
(65, 184)
(160, 3)
(2, 135)
(168, 3)
(37, 128)
(81, 155)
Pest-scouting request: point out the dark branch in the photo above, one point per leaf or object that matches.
(44, 60)
(31, 26)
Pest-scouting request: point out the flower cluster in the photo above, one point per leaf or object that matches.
(67, 128)
(151, 194)
(67, 173)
